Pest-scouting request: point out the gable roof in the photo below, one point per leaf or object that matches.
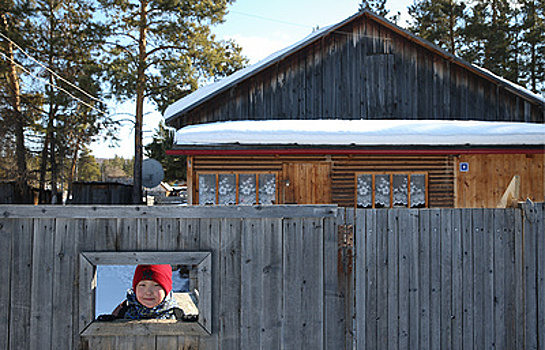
(209, 91)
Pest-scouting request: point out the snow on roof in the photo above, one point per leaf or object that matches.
(361, 133)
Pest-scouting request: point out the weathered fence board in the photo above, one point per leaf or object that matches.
(425, 279)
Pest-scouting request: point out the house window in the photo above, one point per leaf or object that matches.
(236, 188)
(391, 190)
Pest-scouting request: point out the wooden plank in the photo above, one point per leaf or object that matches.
(383, 237)
(251, 284)
(366, 278)
(540, 278)
(293, 263)
(6, 235)
(425, 292)
(446, 278)
(478, 277)
(335, 323)
(44, 285)
(530, 244)
(458, 287)
(393, 280)
(64, 327)
(435, 279)
(511, 223)
(312, 284)
(413, 234)
(488, 279)
(404, 287)
(271, 300)
(500, 271)
(21, 266)
(468, 305)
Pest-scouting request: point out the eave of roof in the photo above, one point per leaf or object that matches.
(205, 93)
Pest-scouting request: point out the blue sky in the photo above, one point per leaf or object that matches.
(261, 27)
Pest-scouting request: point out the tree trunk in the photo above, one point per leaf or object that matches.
(15, 92)
(140, 90)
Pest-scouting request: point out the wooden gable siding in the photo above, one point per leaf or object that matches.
(365, 70)
(343, 170)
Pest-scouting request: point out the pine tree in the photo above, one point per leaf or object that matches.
(532, 36)
(439, 21)
(12, 15)
(65, 44)
(162, 50)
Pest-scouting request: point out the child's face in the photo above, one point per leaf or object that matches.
(149, 293)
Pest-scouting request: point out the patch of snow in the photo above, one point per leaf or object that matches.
(362, 132)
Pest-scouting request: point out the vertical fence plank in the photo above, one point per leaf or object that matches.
(312, 286)
(457, 280)
(540, 247)
(509, 227)
(468, 251)
(404, 290)
(6, 235)
(382, 234)
(531, 239)
(293, 263)
(334, 299)
(64, 309)
(479, 277)
(21, 263)
(366, 278)
(415, 275)
(519, 282)
(425, 279)
(251, 286)
(271, 271)
(393, 280)
(435, 279)
(488, 292)
(446, 278)
(500, 271)
(43, 283)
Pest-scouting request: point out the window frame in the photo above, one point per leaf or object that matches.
(88, 326)
(237, 183)
(391, 174)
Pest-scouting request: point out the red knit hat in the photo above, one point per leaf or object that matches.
(161, 274)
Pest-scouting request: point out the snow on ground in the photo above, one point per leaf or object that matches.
(363, 132)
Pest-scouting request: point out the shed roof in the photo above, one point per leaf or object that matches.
(207, 92)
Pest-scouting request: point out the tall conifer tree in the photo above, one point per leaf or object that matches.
(163, 50)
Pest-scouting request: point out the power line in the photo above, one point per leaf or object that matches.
(53, 85)
(51, 71)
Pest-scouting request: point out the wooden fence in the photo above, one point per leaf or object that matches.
(288, 277)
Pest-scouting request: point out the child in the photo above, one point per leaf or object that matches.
(150, 296)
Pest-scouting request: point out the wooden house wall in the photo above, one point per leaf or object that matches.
(343, 170)
(489, 176)
(364, 70)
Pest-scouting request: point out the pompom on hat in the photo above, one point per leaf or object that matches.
(161, 274)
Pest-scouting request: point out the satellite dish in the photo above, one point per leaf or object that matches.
(152, 173)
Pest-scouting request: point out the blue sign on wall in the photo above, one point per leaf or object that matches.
(464, 167)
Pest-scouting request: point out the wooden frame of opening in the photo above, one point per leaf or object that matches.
(88, 280)
(391, 174)
(236, 173)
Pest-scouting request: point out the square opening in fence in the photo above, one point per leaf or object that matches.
(106, 276)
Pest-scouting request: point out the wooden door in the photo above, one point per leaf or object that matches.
(306, 183)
